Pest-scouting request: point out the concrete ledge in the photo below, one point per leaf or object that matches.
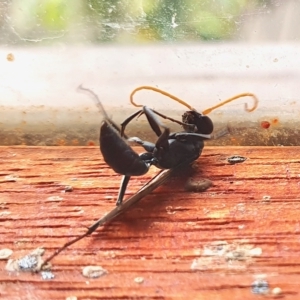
(39, 103)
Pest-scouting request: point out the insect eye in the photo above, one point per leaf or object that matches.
(204, 125)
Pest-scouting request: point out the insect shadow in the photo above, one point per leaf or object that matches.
(170, 152)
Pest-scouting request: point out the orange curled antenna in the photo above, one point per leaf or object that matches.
(145, 87)
(209, 110)
(205, 112)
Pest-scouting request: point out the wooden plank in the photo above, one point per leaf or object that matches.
(209, 245)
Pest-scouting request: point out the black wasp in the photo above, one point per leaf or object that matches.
(169, 150)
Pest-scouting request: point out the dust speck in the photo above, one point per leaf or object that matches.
(4, 213)
(255, 252)
(29, 263)
(54, 198)
(236, 159)
(10, 178)
(5, 253)
(93, 271)
(47, 275)
(277, 291)
(266, 198)
(71, 298)
(260, 286)
(265, 124)
(139, 280)
(223, 255)
(68, 188)
(10, 57)
(110, 254)
(170, 210)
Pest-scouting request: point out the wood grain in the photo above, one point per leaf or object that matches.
(185, 245)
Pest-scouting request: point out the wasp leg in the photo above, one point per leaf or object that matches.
(123, 186)
(152, 120)
(148, 146)
(168, 118)
(128, 120)
(148, 160)
(186, 135)
(162, 143)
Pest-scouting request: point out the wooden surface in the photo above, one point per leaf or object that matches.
(209, 245)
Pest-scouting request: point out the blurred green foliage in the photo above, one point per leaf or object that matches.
(168, 20)
(53, 14)
(130, 20)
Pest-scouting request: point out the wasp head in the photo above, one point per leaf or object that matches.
(196, 122)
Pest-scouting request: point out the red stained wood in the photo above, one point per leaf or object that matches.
(254, 204)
